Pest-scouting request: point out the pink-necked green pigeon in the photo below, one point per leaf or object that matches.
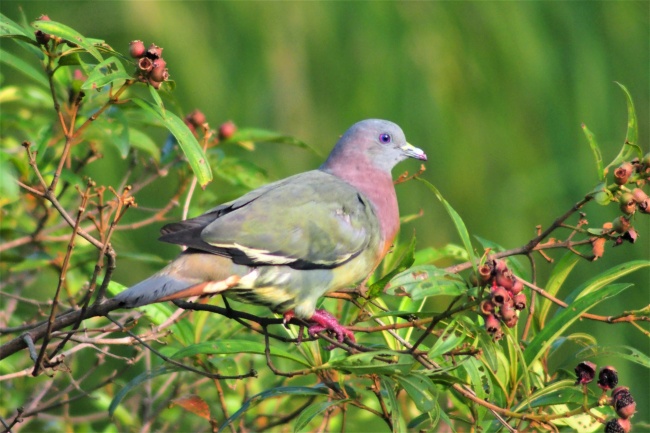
(288, 243)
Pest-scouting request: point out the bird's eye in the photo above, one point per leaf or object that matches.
(385, 138)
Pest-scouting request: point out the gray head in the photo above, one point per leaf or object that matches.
(374, 143)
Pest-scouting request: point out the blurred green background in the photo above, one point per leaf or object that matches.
(494, 92)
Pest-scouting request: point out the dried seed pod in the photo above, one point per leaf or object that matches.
(154, 52)
(517, 287)
(492, 324)
(487, 307)
(507, 312)
(159, 71)
(622, 173)
(145, 64)
(500, 296)
(639, 195)
(520, 301)
(598, 247)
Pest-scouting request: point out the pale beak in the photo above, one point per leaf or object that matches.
(413, 152)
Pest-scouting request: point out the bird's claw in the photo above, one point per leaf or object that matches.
(324, 321)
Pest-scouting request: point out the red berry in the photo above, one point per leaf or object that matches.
(136, 49)
(226, 130)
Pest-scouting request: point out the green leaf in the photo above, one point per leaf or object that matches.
(225, 347)
(264, 136)
(69, 34)
(191, 148)
(240, 173)
(107, 72)
(24, 67)
(562, 392)
(556, 326)
(421, 390)
(273, 392)
(311, 411)
(142, 141)
(457, 220)
(427, 280)
(630, 148)
(365, 363)
(632, 134)
(447, 341)
(607, 277)
(137, 381)
(624, 352)
(560, 273)
(388, 392)
(595, 149)
(10, 29)
(406, 261)
(450, 251)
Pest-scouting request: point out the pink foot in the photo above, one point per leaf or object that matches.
(324, 321)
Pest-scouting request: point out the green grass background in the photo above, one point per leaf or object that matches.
(494, 92)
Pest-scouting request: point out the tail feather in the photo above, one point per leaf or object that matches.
(153, 289)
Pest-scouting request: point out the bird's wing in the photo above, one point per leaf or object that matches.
(308, 221)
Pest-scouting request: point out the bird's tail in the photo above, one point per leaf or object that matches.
(156, 288)
(191, 274)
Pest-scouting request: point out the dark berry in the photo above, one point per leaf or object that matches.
(585, 372)
(520, 301)
(617, 425)
(154, 52)
(492, 324)
(623, 402)
(607, 378)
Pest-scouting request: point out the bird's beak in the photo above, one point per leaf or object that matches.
(413, 152)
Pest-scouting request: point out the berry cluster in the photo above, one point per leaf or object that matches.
(151, 66)
(196, 121)
(621, 399)
(506, 296)
(630, 174)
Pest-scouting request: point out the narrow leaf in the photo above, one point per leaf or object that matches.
(10, 28)
(458, 222)
(555, 327)
(632, 134)
(24, 67)
(630, 148)
(225, 347)
(311, 411)
(595, 149)
(388, 391)
(107, 72)
(607, 277)
(427, 280)
(191, 148)
(137, 381)
(421, 390)
(69, 34)
(623, 352)
(264, 136)
(559, 274)
(273, 392)
(406, 261)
